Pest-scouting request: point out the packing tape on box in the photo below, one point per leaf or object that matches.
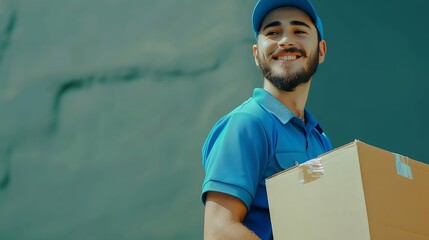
(402, 167)
(310, 171)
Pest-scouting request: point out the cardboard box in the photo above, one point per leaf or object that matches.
(354, 192)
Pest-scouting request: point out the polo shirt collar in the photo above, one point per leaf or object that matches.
(269, 102)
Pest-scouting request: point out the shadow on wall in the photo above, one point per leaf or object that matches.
(5, 156)
(118, 76)
(7, 29)
(8, 16)
(86, 81)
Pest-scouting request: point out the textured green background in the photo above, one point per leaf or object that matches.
(104, 104)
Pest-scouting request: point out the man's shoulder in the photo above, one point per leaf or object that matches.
(249, 115)
(252, 109)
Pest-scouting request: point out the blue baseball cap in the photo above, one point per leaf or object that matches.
(263, 7)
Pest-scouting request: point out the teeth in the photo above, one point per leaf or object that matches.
(287, 58)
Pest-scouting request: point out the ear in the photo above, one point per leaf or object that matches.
(255, 54)
(322, 51)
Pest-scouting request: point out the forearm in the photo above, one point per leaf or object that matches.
(229, 231)
(223, 217)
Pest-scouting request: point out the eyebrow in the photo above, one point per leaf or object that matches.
(273, 24)
(293, 22)
(299, 23)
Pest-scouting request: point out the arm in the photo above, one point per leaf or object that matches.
(223, 218)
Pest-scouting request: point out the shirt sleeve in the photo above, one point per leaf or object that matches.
(235, 156)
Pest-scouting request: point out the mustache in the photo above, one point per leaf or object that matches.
(290, 50)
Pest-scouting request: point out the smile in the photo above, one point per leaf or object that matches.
(290, 54)
(287, 58)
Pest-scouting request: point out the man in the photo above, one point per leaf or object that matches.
(271, 131)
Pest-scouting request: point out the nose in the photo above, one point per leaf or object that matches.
(285, 41)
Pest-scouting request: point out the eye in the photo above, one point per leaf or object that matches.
(272, 33)
(300, 32)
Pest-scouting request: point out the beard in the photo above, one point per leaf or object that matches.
(290, 80)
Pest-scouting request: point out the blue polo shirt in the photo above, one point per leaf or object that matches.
(259, 138)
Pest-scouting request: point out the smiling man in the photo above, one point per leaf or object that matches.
(271, 131)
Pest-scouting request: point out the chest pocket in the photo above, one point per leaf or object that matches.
(287, 158)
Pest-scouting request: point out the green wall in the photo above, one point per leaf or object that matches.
(104, 105)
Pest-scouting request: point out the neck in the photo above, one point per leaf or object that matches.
(295, 101)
